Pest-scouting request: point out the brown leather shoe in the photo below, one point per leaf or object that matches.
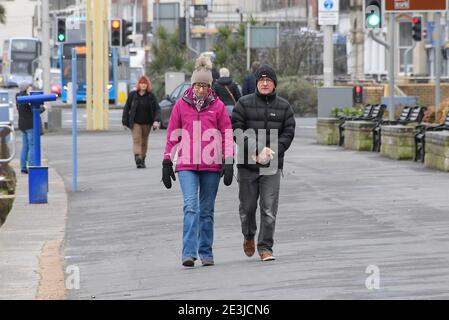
(249, 247)
(267, 256)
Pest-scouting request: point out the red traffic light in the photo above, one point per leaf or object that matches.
(115, 24)
(417, 28)
(357, 94)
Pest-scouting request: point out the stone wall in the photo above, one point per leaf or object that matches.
(398, 142)
(327, 131)
(424, 92)
(437, 150)
(373, 94)
(359, 135)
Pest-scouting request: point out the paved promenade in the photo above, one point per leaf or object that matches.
(340, 212)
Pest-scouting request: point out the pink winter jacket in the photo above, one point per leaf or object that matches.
(202, 140)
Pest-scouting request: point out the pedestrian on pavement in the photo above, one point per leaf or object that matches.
(200, 134)
(215, 75)
(226, 89)
(140, 114)
(26, 127)
(249, 83)
(261, 112)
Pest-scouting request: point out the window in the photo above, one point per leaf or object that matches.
(24, 45)
(405, 43)
(21, 67)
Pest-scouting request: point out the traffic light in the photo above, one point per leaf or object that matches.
(127, 30)
(417, 28)
(116, 33)
(61, 30)
(357, 94)
(373, 14)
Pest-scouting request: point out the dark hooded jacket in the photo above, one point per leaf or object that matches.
(220, 89)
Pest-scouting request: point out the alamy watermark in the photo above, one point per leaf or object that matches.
(372, 282)
(72, 281)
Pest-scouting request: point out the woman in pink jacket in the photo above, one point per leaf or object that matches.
(200, 135)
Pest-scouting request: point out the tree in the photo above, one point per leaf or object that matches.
(167, 55)
(2, 14)
(300, 52)
(230, 51)
(167, 52)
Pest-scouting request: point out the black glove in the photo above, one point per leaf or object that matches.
(228, 172)
(167, 173)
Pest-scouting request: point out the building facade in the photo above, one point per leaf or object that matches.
(19, 19)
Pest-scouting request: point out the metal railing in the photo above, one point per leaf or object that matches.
(3, 135)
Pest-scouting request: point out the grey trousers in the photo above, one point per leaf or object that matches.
(252, 185)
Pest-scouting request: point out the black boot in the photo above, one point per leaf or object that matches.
(138, 160)
(143, 162)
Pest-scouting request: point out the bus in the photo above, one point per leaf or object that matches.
(65, 61)
(19, 60)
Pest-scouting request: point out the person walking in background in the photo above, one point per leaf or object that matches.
(196, 134)
(249, 83)
(26, 127)
(140, 114)
(215, 75)
(226, 89)
(262, 112)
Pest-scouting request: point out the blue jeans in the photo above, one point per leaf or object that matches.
(198, 230)
(27, 154)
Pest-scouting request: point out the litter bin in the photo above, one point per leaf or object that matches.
(38, 184)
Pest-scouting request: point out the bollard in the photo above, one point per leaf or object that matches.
(37, 174)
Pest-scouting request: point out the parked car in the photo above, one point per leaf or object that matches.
(169, 101)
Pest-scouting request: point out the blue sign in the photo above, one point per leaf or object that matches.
(328, 4)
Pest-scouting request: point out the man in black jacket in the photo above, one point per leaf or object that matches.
(264, 128)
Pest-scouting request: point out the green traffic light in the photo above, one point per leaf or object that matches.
(373, 20)
(61, 37)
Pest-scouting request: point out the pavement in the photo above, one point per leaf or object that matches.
(27, 232)
(351, 225)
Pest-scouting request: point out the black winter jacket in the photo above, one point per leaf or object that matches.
(249, 84)
(255, 111)
(223, 94)
(25, 113)
(130, 109)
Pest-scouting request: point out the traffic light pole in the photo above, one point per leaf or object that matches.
(391, 69)
(328, 57)
(187, 14)
(437, 63)
(379, 41)
(46, 52)
(390, 48)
